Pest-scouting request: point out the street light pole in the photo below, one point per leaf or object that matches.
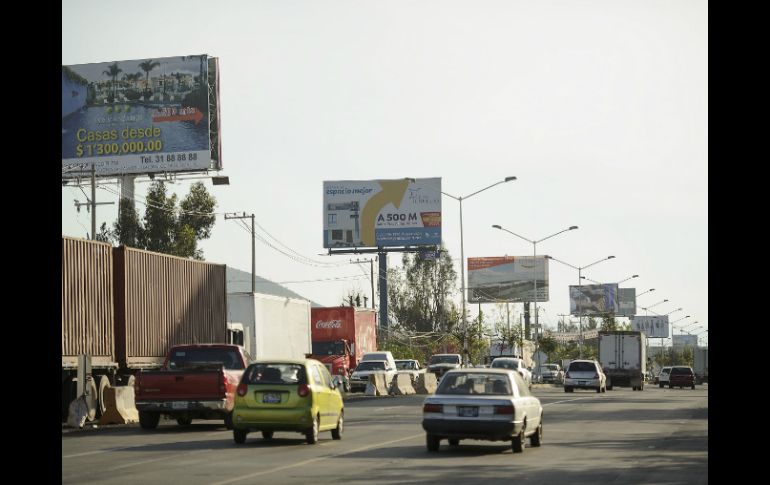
(534, 278)
(462, 257)
(580, 311)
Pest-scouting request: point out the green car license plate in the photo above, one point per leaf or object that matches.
(271, 398)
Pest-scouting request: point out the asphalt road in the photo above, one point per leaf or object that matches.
(657, 436)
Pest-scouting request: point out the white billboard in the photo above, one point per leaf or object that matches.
(382, 213)
(653, 326)
(507, 278)
(685, 340)
(593, 299)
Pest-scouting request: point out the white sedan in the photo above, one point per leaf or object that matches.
(515, 364)
(483, 404)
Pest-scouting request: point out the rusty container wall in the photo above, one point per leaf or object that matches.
(87, 315)
(163, 300)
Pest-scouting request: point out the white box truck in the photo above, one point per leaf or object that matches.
(623, 357)
(274, 327)
(701, 364)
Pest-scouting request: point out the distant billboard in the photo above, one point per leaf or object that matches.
(626, 302)
(685, 340)
(382, 213)
(140, 116)
(593, 299)
(653, 326)
(507, 278)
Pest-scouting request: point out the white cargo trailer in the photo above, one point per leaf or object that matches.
(701, 364)
(274, 327)
(623, 356)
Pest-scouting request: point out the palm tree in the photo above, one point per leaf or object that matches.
(112, 71)
(148, 66)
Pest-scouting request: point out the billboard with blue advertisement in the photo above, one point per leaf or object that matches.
(593, 299)
(139, 116)
(382, 213)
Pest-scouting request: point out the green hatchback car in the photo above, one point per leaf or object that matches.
(287, 395)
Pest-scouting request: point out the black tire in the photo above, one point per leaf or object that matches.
(229, 420)
(454, 441)
(568, 389)
(268, 435)
(148, 420)
(693, 386)
(239, 436)
(661, 385)
(670, 386)
(433, 442)
(337, 432)
(537, 439)
(519, 442)
(311, 435)
(184, 421)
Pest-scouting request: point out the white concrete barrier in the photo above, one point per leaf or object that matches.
(426, 383)
(120, 407)
(402, 385)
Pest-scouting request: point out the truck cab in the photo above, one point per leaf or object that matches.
(336, 356)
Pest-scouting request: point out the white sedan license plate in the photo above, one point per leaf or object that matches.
(468, 411)
(581, 383)
(179, 405)
(271, 398)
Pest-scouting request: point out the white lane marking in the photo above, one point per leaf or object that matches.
(566, 400)
(306, 462)
(134, 463)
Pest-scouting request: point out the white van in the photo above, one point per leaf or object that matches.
(386, 355)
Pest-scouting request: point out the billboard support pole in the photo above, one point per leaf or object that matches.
(253, 263)
(93, 201)
(383, 279)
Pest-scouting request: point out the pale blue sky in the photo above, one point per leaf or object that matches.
(599, 107)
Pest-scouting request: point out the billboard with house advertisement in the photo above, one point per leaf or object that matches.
(653, 326)
(140, 116)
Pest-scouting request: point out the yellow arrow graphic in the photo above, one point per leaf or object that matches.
(392, 193)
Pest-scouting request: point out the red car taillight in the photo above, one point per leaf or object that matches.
(303, 390)
(242, 389)
(433, 408)
(504, 409)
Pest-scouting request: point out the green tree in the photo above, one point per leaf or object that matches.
(419, 294)
(159, 220)
(148, 66)
(104, 234)
(113, 70)
(128, 228)
(548, 345)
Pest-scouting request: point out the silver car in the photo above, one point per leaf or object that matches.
(482, 404)
(585, 374)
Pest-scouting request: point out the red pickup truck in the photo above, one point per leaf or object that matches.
(196, 382)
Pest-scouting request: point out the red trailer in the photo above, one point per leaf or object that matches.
(342, 335)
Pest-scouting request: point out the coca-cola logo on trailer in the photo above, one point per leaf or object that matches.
(329, 324)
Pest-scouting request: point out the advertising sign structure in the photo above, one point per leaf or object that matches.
(653, 326)
(507, 279)
(626, 302)
(140, 116)
(593, 299)
(685, 340)
(382, 213)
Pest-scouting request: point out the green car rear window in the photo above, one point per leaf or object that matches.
(275, 373)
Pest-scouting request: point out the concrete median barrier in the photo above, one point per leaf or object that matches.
(426, 383)
(120, 407)
(377, 385)
(402, 385)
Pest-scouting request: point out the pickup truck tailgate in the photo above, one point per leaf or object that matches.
(171, 385)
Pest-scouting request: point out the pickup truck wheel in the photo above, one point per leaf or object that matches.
(229, 420)
(239, 436)
(661, 385)
(268, 435)
(311, 435)
(337, 432)
(184, 421)
(148, 420)
(454, 441)
(693, 386)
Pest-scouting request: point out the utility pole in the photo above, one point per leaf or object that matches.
(371, 273)
(253, 242)
(91, 204)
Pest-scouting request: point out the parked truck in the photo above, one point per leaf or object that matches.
(341, 336)
(622, 355)
(125, 308)
(701, 364)
(273, 327)
(195, 382)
